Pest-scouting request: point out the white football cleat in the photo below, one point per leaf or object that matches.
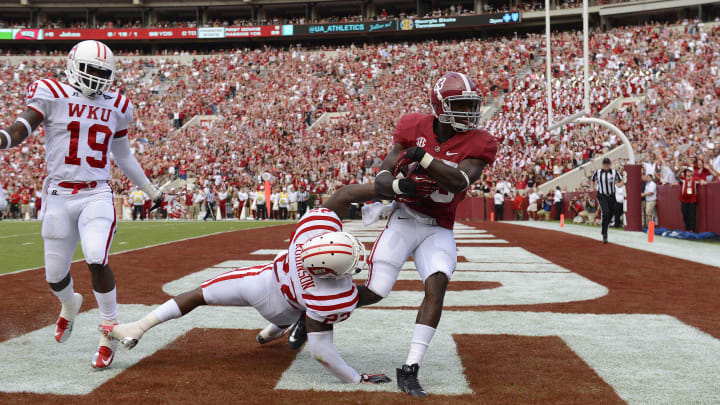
(270, 333)
(105, 353)
(64, 323)
(128, 334)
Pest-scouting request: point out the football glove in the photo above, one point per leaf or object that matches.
(410, 155)
(417, 185)
(374, 379)
(163, 201)
(415, 188)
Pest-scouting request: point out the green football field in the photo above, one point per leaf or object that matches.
(21, 246)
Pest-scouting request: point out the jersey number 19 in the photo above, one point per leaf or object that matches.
(72, 157)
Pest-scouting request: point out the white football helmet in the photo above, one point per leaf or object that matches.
(333, 255)
(91, 68)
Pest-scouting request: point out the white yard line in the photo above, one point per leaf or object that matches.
(698, 252)
(19, 234)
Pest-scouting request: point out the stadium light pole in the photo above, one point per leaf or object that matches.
(583, 116)
(586, 54)
(548, 61)
(633, 215)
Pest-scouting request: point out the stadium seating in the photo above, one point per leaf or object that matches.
(266, 99)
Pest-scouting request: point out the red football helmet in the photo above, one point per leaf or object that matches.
(452, 91)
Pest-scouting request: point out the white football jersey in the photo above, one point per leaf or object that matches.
(325, 300)
(78, 130)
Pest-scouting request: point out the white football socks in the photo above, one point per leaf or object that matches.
(272, 331)
(165, 312)
(107, 304)
(66, 293)
(422, 335)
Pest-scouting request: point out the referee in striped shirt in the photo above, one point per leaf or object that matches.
(605, 180)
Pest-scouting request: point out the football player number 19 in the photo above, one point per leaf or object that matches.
(442, 196)
(72, 157)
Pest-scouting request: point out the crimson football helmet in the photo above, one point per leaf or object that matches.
(450, 91)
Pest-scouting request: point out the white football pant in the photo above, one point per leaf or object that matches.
(87, 216)
(409, 232)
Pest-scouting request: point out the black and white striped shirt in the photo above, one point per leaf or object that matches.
(605, 181)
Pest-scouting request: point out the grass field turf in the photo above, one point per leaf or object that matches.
(21, 246)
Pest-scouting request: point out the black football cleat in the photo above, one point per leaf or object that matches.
(298, 334)
(605, 239)
(408, 381)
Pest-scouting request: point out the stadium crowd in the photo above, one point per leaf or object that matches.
(265, 101)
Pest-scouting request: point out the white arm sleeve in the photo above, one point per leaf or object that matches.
(323, 350)
(129, 165)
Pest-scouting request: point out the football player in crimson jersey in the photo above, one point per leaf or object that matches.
(83, 122)
(314, 276)
(446, 153)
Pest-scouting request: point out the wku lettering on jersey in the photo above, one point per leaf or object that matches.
(76, 110)
(79, 130)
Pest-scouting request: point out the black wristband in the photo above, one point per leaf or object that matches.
(407, 186)
(416, 153)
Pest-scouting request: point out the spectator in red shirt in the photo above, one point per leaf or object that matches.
(14, 204)
(688, 197)
(518, 205)
(25, 204)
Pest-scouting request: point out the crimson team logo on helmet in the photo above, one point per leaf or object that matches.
(333, 255)
(91, 68)
(455, 101)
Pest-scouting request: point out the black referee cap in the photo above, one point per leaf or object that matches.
(606, 160)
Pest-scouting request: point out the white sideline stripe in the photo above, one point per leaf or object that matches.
(457, 235)
(473, 254)
(272, 252)
(19, 234)
(516, 289)
(150, 246)
(194, 280)
(461, 266)
(481, 241)
(499, 255)
(371, 239)
(698, 252)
